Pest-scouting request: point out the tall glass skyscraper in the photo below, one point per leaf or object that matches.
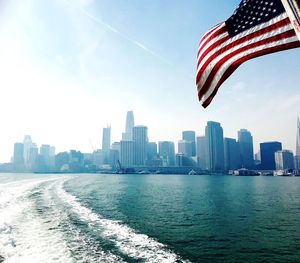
(106, 139)
(185, 147)
(127, 153)
(166, 151)
(214, 146)
(297, 156)
(190, 136)
(284, 160)
(18, 156)
(45, 156)
(140, 139)
(267, 154)
(27, 146)
(201, 152)
(298, 138)
(245, 141)
(127, 135)
(106, 144)
(231, 154)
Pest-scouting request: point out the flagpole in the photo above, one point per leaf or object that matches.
(292, 9)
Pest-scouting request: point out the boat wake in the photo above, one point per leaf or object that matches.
(41, 222)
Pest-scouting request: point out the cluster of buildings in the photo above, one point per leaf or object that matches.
(211, 152)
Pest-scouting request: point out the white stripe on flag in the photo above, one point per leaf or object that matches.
(227, 64)
(212, 32)
(243, 34)
(211, 65)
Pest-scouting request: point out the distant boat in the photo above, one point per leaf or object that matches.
(245, 172)
(144, 172)
(192, 172)
(283, 173)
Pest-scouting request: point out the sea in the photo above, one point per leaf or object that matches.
(148, 218)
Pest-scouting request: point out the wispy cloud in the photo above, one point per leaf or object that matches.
(116, 31)
(86, 2)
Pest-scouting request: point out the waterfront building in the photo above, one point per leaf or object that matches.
(151, 150)
(75, 161)
(166, 151)
(106, 139)
(116, 146)
(33, 157)
(183, 160)
(127, 135)
(113, 157)
(127, 153)
(284, 160)
(140, 138)
(18, 159)
(245, 141)
(201, 152)
(88, 161)
(106, 144)
(98, 158)
(27, 142)
(52, 156)
(44, 160)
(267, 154)
(61, 161)
(297, 156)
(185, 147)
(214, 146)
(231, 154)
(190, 136)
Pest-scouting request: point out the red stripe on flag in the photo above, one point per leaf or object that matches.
(215, 69)
(238, 62)
(220, 31)
(207, 33)
(260, 32)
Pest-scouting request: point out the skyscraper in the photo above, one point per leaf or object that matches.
(140, 139)
(245, 141)
(284, 160)
(297, 156)
(185, 147)
(127, 135)
(106, 139)
(106, 144)
(166, 151)
(190, 136)
(33, 157)
(18, 156)
(214, 146)
(44, 160)
(127, 153)
(27, 145)
(298, 138)
(151, 150)
(267, 154)
(201, 152)
(231, 154)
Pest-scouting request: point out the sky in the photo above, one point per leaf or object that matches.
(68, 68)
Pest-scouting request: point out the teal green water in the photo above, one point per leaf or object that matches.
(150, 218)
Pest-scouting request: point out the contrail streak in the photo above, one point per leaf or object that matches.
(114, 30)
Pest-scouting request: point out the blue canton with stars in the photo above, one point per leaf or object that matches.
(251, 13)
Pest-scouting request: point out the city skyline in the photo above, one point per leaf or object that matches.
(105, 141)
(63, 79)
(212, 152)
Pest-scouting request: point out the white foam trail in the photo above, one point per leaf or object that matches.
(24, 236)
(82, 248)
(133, 244)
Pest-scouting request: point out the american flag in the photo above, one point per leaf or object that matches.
(257, 27)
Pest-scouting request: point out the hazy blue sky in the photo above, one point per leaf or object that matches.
(68, 68)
